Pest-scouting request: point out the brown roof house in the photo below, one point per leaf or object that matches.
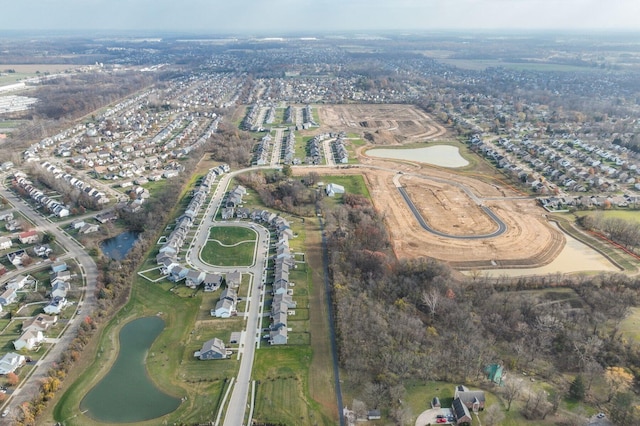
(473, 400)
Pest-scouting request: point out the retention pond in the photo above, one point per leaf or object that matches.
(117, 247)
(127, 394)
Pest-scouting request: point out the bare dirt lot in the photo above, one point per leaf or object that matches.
(528, 241)
(382, 124)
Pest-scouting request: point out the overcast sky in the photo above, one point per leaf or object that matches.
(285, 16)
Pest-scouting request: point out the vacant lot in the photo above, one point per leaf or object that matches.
(436, 191)
(230, 246)
(385, 124)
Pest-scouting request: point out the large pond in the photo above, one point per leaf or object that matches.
(127, 394)
(438, 155)
(117, 247)
(575, 257)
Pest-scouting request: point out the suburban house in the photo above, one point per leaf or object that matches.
(17, 258)
(223, 309)
(89, 228)
(212, 282)
(28, 340)
(233, 279)
(226, 306)
(28, 237)
(178, 273)
(55, 306)
(194, 278)
(19, 281)
(5, 243)
(9, 296)
(279, 320)
(287, 299)
(278, 337)
(40, 322)
(58, 267)
(212, 349)
(59, 289)
(11, 362)
(230, 294)
(473, 400)
(460, 412)
(280, 287)
(42, 250)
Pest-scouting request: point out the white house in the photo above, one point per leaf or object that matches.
(223, 309)
(59, 289)
(5, 243)
(28, 340)
(9, 296)
(11, 362)
(333, 188)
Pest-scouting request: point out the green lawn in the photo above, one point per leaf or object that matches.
(230, 246)
(628, 215)
(230, 235)
(353, 184)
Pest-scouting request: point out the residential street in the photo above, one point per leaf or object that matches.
(29, 388)
(237, 404)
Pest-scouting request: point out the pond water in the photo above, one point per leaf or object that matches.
(117, 247)
(575, 257)
(127, 394)
(438, 155)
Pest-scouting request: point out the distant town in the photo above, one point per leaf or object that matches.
(223, 197)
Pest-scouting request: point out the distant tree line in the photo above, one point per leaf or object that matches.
(70, 97)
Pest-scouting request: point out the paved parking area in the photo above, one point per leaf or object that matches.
(431, 416)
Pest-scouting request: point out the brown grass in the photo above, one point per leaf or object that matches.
(321, 380)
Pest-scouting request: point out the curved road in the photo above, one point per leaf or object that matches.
(250, 339)
(31, 386)
(502, 227)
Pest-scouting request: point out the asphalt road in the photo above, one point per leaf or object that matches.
(29, 388)
(237, 405)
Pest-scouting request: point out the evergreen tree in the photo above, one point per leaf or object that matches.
(577, 388)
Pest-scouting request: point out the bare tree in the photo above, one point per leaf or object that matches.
(431, 299)
(511, 390)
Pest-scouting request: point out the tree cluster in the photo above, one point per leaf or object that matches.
(280, 192)
(623, 232)
(401, 320)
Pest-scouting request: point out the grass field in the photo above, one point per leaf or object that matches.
(229, 235)
(630, 326)
(353, 184)
(282, 392)
(235, 248)
(628, 215)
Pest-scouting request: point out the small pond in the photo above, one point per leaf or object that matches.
(127, 394)
(117, 247)
(575, 257)
(438, 155)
